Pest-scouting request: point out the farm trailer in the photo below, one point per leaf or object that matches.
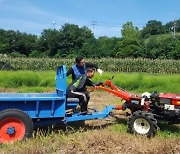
(20, 112)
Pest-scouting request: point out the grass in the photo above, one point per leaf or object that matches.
(109, 139)
(43, 81)
(167, 131)
(141, 82)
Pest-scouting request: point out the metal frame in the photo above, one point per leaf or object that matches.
(49, 108)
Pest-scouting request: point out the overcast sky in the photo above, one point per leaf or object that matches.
(32, 16)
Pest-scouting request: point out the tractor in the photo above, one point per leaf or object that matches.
(146, 110)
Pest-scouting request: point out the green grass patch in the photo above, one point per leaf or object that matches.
(35, 89)
(167, 131)
(43, 81)
(16, 79)
(118, 128)
(141, 82)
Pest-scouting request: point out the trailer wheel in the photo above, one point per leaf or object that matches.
(142, 123)
(14, 125)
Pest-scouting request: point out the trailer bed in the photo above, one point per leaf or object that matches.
(29, 96)
(36, 105)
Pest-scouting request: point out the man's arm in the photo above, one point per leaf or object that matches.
(70, 71)
(90, 83)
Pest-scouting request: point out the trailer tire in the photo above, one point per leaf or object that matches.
(142, 123)
(14, 125)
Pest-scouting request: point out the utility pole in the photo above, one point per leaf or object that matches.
(174, 32)
(93, 24)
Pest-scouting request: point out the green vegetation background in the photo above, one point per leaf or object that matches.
(44, 81)
(155, 40)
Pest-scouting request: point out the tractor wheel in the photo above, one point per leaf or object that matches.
(14, 125)
(142, 123)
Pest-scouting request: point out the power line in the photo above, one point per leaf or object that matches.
(93, 23)
(105, 24)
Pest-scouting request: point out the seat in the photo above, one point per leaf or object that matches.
(72, 100)
(71, 103)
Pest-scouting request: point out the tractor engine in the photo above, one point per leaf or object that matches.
(164, 105)
(171, 104)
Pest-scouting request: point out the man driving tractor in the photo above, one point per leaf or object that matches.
(77, 89)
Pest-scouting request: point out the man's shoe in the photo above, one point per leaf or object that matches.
(86, 113)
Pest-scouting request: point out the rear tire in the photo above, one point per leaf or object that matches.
(14, 125)
(142, 123)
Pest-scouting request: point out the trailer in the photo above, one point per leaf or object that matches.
(21, 112)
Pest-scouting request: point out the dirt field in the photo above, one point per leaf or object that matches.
(98, 136)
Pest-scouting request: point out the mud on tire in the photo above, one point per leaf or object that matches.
(142, 123)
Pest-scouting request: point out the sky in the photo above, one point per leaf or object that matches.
(103, 17)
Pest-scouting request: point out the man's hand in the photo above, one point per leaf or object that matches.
(100, 71)
(100, 84)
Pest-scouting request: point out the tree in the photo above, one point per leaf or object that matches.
(49, 42)
(153, 27)
(130, 45)
(16, 42)
(72, 38)
(107, 47)
(129, 31)
(163, 47)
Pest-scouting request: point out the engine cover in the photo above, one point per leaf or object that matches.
(171, 99)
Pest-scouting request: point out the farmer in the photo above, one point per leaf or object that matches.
(77, 89)
(79, 68)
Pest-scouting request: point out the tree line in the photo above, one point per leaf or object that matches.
(154, 41)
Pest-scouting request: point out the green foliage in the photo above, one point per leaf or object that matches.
(17, 54)
(15, 41)
(153, 27)
(140, 82)
(107, 64)
(15, 79)
(43, 81)
(154, 41)
(162, 46)
(167, 130)
(129, 46)
(129, 31)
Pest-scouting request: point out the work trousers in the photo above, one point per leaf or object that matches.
(83, 98)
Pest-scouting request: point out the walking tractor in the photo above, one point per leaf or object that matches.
(20, 112)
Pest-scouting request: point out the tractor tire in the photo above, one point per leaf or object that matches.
(14, 125)
(142, 123)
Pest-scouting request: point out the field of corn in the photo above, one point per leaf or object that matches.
(106, 64)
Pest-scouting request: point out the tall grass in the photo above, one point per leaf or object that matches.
(141, 82)
(43, 81)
